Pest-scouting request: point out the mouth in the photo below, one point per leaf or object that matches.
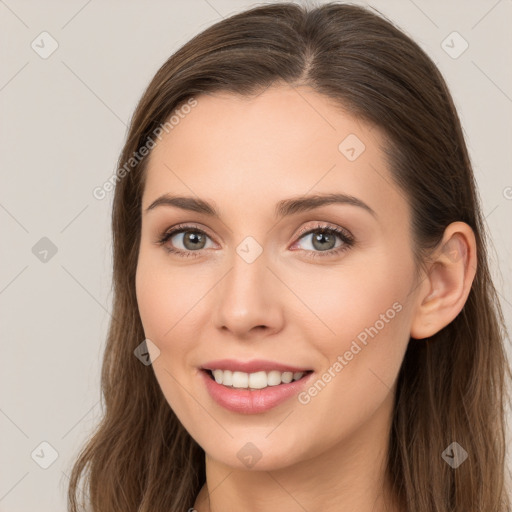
(253, 381)
(256, 392)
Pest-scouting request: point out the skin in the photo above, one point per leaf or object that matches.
(244, 155)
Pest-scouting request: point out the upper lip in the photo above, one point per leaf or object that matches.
(255, 365)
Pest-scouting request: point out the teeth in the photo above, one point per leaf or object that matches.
(257, 380)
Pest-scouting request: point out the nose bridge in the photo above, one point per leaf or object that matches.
(246, 297)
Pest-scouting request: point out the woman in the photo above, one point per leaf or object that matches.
(299, 252)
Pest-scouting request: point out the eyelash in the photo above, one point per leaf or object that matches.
(344, 235)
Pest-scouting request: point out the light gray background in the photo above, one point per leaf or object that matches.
(63, 122)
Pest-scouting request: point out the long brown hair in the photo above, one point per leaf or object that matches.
(452, 387)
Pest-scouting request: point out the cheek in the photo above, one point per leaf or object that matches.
(172, 306)
(369, 315)
(163, 309)
(164, 295)
(351, 298)
(365, 320)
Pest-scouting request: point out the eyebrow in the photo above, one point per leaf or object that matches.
(283, 208)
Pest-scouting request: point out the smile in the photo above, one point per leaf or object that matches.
(257, 380)
(257, 392)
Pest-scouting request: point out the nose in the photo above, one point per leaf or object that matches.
(248, 300)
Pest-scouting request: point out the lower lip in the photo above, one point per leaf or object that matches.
(252, 401)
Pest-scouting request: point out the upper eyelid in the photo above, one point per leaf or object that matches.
(327, 227)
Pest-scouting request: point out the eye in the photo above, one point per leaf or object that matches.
(323, 240)
(190, 237)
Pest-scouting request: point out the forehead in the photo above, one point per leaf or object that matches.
(244, 152)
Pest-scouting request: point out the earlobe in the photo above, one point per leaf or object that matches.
(451, 271)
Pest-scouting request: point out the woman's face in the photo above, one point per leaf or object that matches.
(254, 283)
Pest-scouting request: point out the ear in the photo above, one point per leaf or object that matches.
(445, 289)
